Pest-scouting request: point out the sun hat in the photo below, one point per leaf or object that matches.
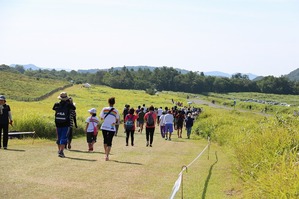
(2, 97)
(93, 110)
(63, 96)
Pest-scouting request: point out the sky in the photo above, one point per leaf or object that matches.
(231, 36)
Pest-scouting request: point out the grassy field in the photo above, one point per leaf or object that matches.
(24, 88)
(34, 170)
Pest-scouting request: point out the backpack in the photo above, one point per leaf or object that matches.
(62, 114)
(150, 120)
(130, 123)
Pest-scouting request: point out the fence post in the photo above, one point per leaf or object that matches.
(183, 167)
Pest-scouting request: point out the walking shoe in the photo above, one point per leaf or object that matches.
(61, 154)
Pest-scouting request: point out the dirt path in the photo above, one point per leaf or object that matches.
(34, 170)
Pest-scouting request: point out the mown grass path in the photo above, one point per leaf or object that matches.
(34, 170)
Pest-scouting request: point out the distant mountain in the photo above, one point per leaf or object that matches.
(135, 68)
(221, 74)
(27, 66)
(294, 75)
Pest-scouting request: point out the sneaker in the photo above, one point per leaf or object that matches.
(146, 144)
(169, 139)
(5, 148)
(132, 144)
(127, 144)
(61, 154)
(151, 145)
(166, 138)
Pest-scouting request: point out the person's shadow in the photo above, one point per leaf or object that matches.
(17, 150)
(209, 177)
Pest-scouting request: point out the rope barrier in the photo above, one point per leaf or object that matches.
(179, 181)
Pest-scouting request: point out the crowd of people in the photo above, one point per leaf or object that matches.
(168, 120)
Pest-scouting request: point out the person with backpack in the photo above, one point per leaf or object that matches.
(5, 120)
(141, 115)
(189, 123)
(62, 121)
(130, 126)
(150, 120)
(110, 116)
(91, 128)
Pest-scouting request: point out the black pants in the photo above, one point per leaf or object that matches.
(4, 129)
(70, 136)
(128, 132)
(150, 134)
(108, 137)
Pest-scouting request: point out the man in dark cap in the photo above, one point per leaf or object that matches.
(5, 120)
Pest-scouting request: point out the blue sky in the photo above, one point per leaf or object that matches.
(247, 36)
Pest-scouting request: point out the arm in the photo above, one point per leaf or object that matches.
(10, 118)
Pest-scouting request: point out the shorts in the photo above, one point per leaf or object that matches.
(62, 134)
(90, 137)
(168, 128)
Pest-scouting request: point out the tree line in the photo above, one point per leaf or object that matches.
(167, 78)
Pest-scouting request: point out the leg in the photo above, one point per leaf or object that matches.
(152, 130)
(147, 136)
(5, 136)
(127, 137)
(132, 137)
(1, 130)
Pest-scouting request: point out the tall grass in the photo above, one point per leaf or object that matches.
(265, 148)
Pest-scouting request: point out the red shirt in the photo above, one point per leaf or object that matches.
(134, 118)
(154, 117)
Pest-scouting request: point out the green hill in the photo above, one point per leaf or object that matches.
(23, 88)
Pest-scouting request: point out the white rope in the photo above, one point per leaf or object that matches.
(177, 183)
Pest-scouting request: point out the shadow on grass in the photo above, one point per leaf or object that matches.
(135, 163)
(208, 178)
(81, 159)
(17, 150)
(79, 151)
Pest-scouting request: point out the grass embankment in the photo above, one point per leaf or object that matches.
(34, 170)
(266, 149)
(23, 88)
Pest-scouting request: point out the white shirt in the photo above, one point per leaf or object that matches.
(160, 111)
(168, 118)
(92, 121)
(110, 120)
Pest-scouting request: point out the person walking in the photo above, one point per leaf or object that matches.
(141, 115)
(162, 124)
(91, 128)
(168, 121)
(73, 121)
(5, 120)
(62, 121)
(150, 120)
(180, 118)
(189, 123)
(130, 126)
(110, 116)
